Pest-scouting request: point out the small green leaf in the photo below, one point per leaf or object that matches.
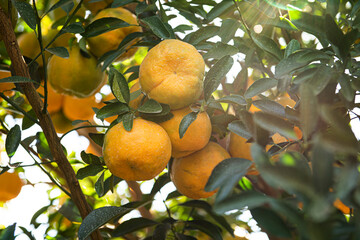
(259, 86)
(74, 28)
(150, 106)
(90, 170)
(234, 99)
(186, 122)
(159, 183)
(109, 184)
(220, 50)
(17, 79)
(90, 158)
(207, 227)
(270, 107)
(275, 124)
(98, 138)
(59, 51)
(292, 47)
(8, 233)
(228, 29)
(158, 27)
(58, 4)
(112, 109)
(103, 25)
(217, 72)
(267, 44)
(119, 86)
(308, 110)
(99, 185)
(13, 140)
(201, 34)
(128, 121)
(239, 128)
(26, 12)
(27, 122)
(219, 9)
(132, 225)
(43, 146)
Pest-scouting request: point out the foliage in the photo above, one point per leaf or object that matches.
(255, 51)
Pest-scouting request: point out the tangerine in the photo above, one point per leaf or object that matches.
(10, 186)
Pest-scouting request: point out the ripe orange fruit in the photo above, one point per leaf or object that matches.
(54, 100)
(191, 173)
(137, 155)
(105, 42)
(61, 123)
(172, 72)
(10, 186)
(239, 147)
(30, 47)
(196, 136)
(78, 75)
(79, 108)
(6, 87)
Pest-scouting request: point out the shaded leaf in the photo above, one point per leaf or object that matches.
(270, 107)
(27, 122)
(161, 231)
(119, 3)
(267, 44)
(13, 140)
(98, 138)
(322, 168)
(275, 124)
(234, 99)
(259, 86)
(220, 50)
(308, 110)
(127, 120)
(59, 51)
(99, 185)
(103, 25)
(228, 29)
(17, 79)
(186, 122)
(239, 128)
(42, 145)
(90, 158)
(292, 47)
(119, 86)
(26, 12)
(8, 233)
(112, 109)
(74, 28)
(219, 9)
(150, 106)
(90, 170)
(201, 34)
(132, 225)
(109, 184)
(158, 27)
(207, 227)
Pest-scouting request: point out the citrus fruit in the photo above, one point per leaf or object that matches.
(79, 108)
(10, 186)
(54, 99)
(30, 47)
(137, 155)
(61, 123)
(105, 42)
(285, 101)
(196, 136)
(95, 7)
(6, 87)
(341, 206)
(172, 73)
(79, 75)
(191, 173)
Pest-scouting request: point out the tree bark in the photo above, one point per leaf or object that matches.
(19, 68)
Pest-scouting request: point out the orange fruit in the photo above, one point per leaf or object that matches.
(61, 123)
(341, 206)
(108, 41)
(78, 75)
(10, 186)
(286, 101)
(6, 87)
(137, 155)
(54, 100)
(196, 136)
(239, 147)
(191, 173)
(95, 7)
(30, 47)
(79, 108)
(172, 73)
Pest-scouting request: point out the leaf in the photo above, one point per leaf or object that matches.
(103, 25)
(217, 72)
(8, 233)
(161, 231)
(186, 122)
(275, 124)
(228, 29)
(27, 122)
(119, 86)
(207, 227)
(128, 121)
(158, 27)
(119, 3)
(249, 199)
(59, 51)
(271, 222)
(13, 140)
(109, 184)
(58, 4)
(150, 106)
(26, 12)
(234, 99)
(322, 168)
(42, 146)
(219, 9)
(292, 47)
(220, 50)
(74, 28)
(98, 138)
(112, 109)
(70, 211)
(90, 158)
(99, 217)
(308, 110)
(271, 107)
(132, 225)
(159, 183)
(17, 79)
(201, 34)
(267, 44)
(239, 128)
(259, 86)
(90, 170)
(99, 185)
(226, 169)
(346, 179)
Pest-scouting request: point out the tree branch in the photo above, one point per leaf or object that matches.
(19, 68)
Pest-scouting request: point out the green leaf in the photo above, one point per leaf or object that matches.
(214, 76)
(90, 170)
(59, 51)
(159, 183)
(275, 124)
(250, 199)
(27, 122)
(308, 110)
(219, 9)
(17, 79)
(103, 25)
(182, 28)
(158, 27)
(43, 146)
(332, 7)
(128, 121)
(346, 179)
(70, 211)
(98, 138)
(267, 44)
(132, 225)
(207, 227)
(317, 77)
(99, 217)
(58, 4)
(150, 106)
(259, 86)
(239, 128)
(186, 122)
(119, 86)
(112, 109)
(201, 34)
(322, 167)
(271, 222)
(233, 99)
(119, 3)
(292, 47)
(90, 158)
(26, 12)
(346, 90)
(109, 184)
(8, 233)
(74, 28)
(161, 231)
(226, 169)
(271, 107)
(228, 29)
(220, 50)
(99, 185)
(13, 140)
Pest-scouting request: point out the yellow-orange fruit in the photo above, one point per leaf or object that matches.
(78, 75)
(54, 99)
(61, 123)
(137, 155)
(30, 47)
(341, 206)
(6, 87)
(191, 173)
(277, 138)
(95, 7)
(105, 42)
(172, 73)
(196, 136)
(286, 101)
(10, 186)
(79, 108)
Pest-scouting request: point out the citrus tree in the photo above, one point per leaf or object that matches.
(241, 105)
